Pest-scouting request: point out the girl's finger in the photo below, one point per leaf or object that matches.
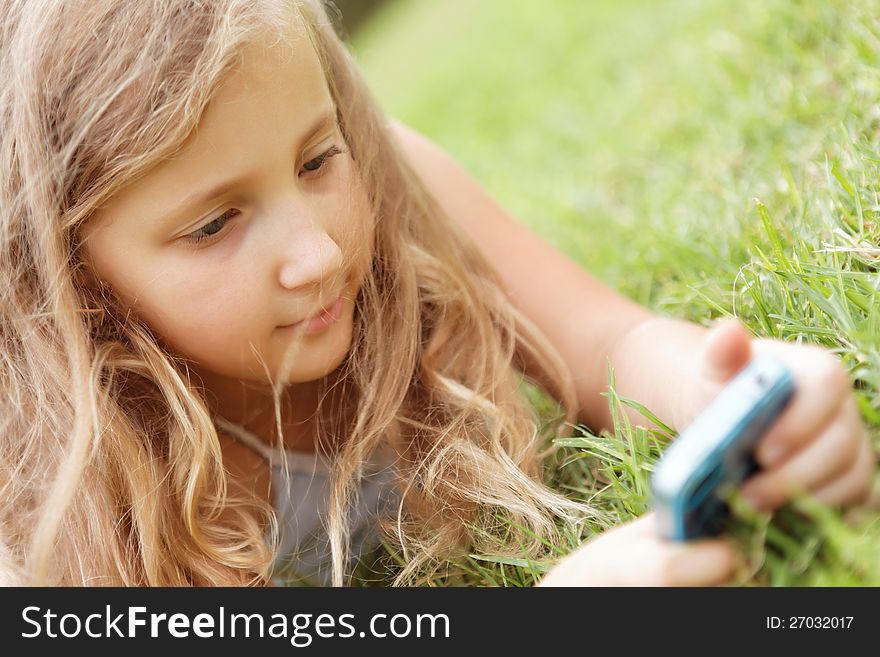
(707, 562)
(710, 564)
(832, 453)
(823, 388)
(704, 562)
(633, 555)
(855, 484)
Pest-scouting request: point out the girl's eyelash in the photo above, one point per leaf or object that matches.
(323, 157)
(200, 235)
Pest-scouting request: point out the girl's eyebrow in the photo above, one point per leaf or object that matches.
(324, 120)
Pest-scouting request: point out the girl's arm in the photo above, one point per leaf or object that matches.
(818, 445)
(585, 320)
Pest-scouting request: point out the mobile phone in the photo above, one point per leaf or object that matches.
(715, 452)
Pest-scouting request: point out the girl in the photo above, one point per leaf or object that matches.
(249, 323)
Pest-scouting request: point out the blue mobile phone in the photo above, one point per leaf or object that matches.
(714, 452)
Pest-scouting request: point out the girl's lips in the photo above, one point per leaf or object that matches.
(319, 322)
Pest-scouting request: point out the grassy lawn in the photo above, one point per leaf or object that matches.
(705, 158)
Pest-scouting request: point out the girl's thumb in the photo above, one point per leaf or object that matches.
(726, 351)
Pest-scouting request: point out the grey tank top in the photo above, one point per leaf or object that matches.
(300, 497)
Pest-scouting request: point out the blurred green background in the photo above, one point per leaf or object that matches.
(633, 134)
(705, 158)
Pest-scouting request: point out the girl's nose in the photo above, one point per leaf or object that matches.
(311, 258)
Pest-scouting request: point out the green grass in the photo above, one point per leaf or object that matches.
(705, 158)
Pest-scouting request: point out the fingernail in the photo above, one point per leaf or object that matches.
(755, 500)
(774, 453)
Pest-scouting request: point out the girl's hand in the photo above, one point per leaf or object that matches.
(634, 555)
(819, 444)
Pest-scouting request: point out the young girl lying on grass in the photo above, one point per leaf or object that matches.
(249, 322)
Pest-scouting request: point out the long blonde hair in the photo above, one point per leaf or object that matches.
(110, 465)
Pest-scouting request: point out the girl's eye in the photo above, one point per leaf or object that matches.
(213, 228)
(318, 163)
(208, 231)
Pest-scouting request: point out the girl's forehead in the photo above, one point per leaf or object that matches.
(262, 67)
(279, 89)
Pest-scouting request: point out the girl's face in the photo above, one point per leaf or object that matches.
(258, 222)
